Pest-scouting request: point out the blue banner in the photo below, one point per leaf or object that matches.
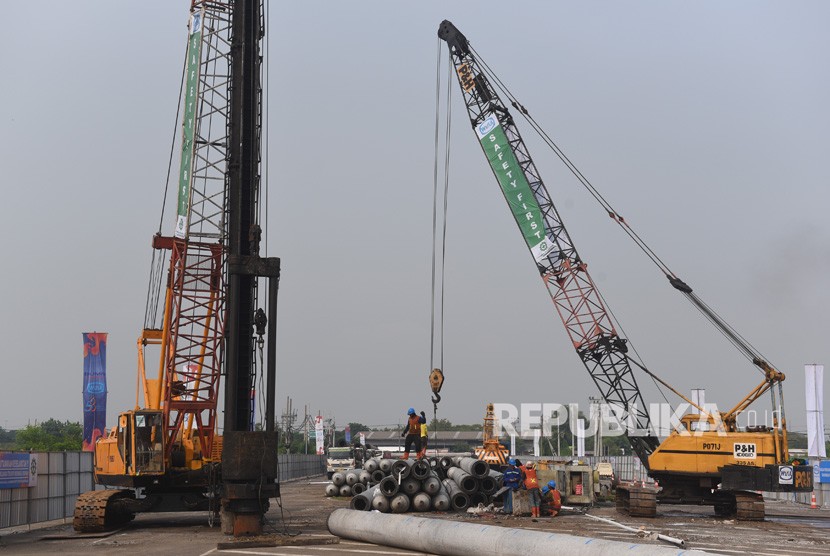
(17, 470)
(95, 388)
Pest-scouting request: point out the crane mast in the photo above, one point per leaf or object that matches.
(565, 274)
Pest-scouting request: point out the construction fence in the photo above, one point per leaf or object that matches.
(59, 477)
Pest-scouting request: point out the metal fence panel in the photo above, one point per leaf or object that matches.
(73, 462)
(55, 486)
(55, 462)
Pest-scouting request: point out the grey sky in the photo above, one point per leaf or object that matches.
(704, 123)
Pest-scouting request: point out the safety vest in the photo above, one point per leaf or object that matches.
(530, 479)
(414, 424)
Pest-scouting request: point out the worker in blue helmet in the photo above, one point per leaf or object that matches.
(551, 499)
(412, 432)
(512, 479)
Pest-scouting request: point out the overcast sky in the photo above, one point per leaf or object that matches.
(704, 123)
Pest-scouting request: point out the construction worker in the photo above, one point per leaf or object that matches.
(424, 436)
(412, 432)
(532, 486)
(512, 479)
(551, 499)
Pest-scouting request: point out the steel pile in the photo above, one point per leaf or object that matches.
(430, 484)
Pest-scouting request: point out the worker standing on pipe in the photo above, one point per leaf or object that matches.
(551, 499)
(424, 436)
(532, 486)
(512, 479)
(412, 432)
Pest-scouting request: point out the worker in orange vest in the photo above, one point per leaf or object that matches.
(412, 432)
(551, 499)
(532, 486)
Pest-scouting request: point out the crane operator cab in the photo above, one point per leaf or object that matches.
(133, 448)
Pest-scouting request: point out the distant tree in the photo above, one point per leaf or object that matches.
(7, 438)
(50, 436)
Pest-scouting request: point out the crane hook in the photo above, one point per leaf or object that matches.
(436, 380)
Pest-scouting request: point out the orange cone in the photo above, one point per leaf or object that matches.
(813, 504)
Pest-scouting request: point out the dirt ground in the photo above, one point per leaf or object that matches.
(301, 517)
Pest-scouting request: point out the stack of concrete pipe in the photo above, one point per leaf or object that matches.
(433, 484)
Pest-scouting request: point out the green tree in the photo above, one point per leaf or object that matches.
(7, 439)
(50, 436)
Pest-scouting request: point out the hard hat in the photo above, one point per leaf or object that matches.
(529, 465)
(552, 484)
(411, 411)
(512, 461)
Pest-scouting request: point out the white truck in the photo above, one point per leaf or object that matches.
(339, 459)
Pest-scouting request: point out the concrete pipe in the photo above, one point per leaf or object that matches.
(421, 502)
(372, 464)
(445, 462)
(402, 468)
(420, 469)
(345, 490)
(458, 500)
(453, 538)
(352, 477)
(477, 498)
(464, 480)
(385, 465)
(364, 476)
(399, 503)
(410, 486)
(380, 503)
(475, 467)
(389, 486)
(498, 476)
(357, 488)
(431, 485)
(332, 489)
(338, 478)
(488, 485)
(441, 501)
(376, 476)
(363, 500)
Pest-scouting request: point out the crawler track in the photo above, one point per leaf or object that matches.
(99, 510)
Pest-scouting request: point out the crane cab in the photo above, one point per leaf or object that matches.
(132, 449)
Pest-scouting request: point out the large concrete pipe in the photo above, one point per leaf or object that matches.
(441, 500)
(363, 501)
(454, 538)
(431, 485)
(380, 503)
(410, 486)
(402, 468)
(339, 478)
(357, 488)
(352, 476)
(477, 498)
(372, 464)
(458, 500)
(332, 489)
(399, 503)
(364, 476)
(445, 462)
(464, 480)
(475, 467)
(389, 486)
(488, 485)
(421, 502)
(385, 465)
(421, 469)
(376, 476)
(345, 490)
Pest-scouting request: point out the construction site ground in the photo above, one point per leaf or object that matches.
(789, 529)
